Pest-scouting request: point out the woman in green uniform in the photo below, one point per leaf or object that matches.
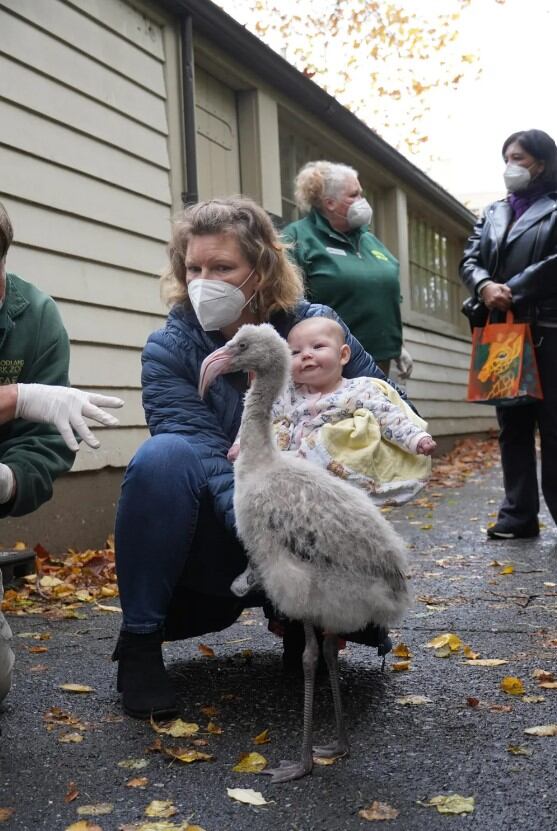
(345, 266)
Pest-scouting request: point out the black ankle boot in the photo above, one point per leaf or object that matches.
(146, 688)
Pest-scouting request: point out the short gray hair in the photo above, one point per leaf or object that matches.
(6, 232)
(318, 180)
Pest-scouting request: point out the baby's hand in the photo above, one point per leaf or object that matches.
(426, 446)
(233, 453)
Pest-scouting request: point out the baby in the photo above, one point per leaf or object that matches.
(359, 428)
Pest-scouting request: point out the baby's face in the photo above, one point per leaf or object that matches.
(316, 356)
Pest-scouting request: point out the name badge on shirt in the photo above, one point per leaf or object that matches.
(338, 251)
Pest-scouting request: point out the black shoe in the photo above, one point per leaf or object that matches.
(500, 531)
(146, 688)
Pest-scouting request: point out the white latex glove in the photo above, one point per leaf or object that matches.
(404, 364)
(65, 408)
(7, 482)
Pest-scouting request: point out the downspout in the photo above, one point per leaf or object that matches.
(188, 105)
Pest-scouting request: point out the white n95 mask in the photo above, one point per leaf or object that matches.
(359, 213)
(516, 177)
(217, 304)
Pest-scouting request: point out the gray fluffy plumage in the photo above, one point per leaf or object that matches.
(322, 551)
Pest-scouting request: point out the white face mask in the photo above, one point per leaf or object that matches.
(217, 304)
(516, 177)
(359, 213)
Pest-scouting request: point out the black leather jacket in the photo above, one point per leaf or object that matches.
(523, 256)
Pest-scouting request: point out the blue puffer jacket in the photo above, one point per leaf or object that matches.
(171, 363)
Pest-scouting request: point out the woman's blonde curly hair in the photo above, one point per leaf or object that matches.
(281, 285)
(318, 180)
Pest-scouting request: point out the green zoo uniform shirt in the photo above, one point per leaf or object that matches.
(354, 274)
(34, 348)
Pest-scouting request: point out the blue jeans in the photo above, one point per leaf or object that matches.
(175, 560)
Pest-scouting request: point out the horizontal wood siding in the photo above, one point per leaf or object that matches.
(85, 160)
(438, 384)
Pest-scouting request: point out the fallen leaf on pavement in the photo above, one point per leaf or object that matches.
(413, 699)
(512, 685)
(37, 650)
(137, 782)
(76, 688)
(378, 811)
(6, 813)
(451, 804)
(160, 825)
(176, 728)
(161, 808)
(446, 639)
(187, 755)
(548, 685)
(500, 708)
(206, 650)
(400, 666)
(95, 810)
(247, 795)
(214, 729)
(469, 653)
(262, 738)
(324, 761)
(209, 711)
(542, 730)
(507, 570)
(486, 662)
(518, 750)
(473, 702)
(250, 763)
(533, 699)
(401, 651)
(83, 825)
(72, 792)
(70, 738)
(133, 764)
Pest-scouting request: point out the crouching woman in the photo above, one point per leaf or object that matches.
(177, 551)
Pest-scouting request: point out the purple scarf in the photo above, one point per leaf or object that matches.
(521, 201)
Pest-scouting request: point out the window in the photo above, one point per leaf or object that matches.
(295, 151)
(435, 287)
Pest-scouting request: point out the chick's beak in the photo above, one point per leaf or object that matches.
(215, 364)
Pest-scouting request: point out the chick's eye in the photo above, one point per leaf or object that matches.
(242, 345)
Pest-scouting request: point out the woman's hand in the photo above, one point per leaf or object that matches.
(496, 296)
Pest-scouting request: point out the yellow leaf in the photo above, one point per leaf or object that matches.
(160, 808)
(250, 763)
(83, 595)
(137, 782)
(187, 755)
(327, 760)
(247, 795)
(206, 650)
(446, 639)
(468, 58)
(512, 685)
(76, 688)
(83, 825)
(548, 685)
(6, 813)
(507, 570)
(262, 738)
(426, 527)
(518, 750)
(378, 811)
(48, 582)
(443, 651)
(20, 546)
(214, 729)
(108, 608)
(70, 738)
(400, 666)
(401, 651)
(469, 653)
(176, 728)
(542, 730)
(452, 804)
(486, 662)
(413, 699)
(533, 699)
(95, 810)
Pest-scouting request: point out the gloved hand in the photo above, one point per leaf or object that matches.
(404, 364)
(7, 483)
(65, 408)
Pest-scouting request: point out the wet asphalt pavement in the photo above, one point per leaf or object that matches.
(400, 754)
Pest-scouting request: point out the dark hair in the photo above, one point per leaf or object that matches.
(542, 147)
(6, 232)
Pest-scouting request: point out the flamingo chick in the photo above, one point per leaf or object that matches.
(323, 552)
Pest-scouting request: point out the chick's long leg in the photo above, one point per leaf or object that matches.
(340, 747)
(295, 770)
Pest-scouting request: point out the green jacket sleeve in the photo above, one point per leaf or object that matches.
(36, 453)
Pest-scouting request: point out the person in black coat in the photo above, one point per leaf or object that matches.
(510, 262)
